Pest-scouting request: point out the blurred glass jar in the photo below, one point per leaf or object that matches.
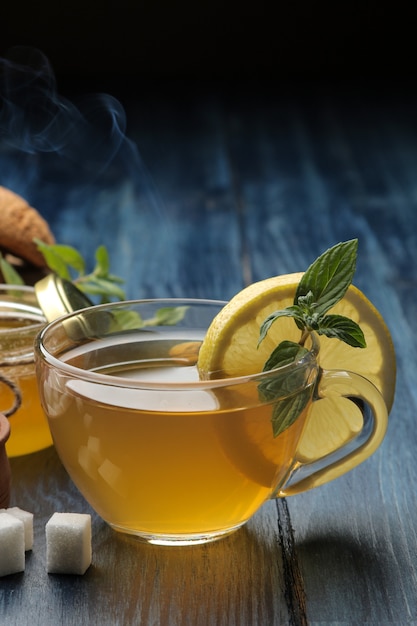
(20, 320)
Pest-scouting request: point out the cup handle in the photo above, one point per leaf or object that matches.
(354, 449)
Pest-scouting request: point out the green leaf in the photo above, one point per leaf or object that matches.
(56, 263)
(130, 320)
(290, 311)
(115, 279)
(11, 277)
(342, 328)
(286, 352)
(287, 410)
(102, 262)
(97, 286)
(126, 320)
(60, 254)
(61, 259)
(286, 388)
(329, 277)
(167, 316)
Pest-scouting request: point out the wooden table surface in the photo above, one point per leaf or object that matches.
(206, 190)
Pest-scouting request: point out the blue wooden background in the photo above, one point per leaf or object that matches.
(198, 188)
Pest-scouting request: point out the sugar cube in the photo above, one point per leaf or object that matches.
(12, 545)
(27, 519)
(68, 543)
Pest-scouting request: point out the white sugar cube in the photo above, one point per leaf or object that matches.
(27, 519)
(68, 543)
(12, 545)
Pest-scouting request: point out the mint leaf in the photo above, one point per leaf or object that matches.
(55, 263)
(132, 320)
(329, 277)
(167, 316)
(69, 264)
(102, 262)
(290, 311)
(287, 410)
(321, 287)
(60, 258)
(10, 275)
(95, 285)
(286, 352)
(286, 388)
(125, 320)
(344, 329)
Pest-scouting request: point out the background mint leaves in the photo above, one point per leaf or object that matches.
(9, 273)
(69, 264)
(321, 287)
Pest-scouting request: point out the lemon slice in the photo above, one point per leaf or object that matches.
(230, 345)
(230, 349)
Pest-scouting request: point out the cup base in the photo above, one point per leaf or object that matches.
(177, 539)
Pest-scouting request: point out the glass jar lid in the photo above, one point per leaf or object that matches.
(57, 297)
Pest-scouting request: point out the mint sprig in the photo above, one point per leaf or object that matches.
(321, 287)
(69, 264)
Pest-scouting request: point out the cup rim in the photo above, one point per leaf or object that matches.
(44, 355)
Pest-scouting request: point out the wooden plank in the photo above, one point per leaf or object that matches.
(238, 580)
(315, 172)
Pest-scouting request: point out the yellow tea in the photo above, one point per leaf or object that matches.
(176, 459)
(181, 461)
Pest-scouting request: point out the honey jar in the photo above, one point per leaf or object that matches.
(21, 318)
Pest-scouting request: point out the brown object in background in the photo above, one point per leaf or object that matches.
(19, 225)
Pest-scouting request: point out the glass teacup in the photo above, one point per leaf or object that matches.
(173, 459)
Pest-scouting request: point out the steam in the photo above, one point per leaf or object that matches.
(64, 156)
(35, 119)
